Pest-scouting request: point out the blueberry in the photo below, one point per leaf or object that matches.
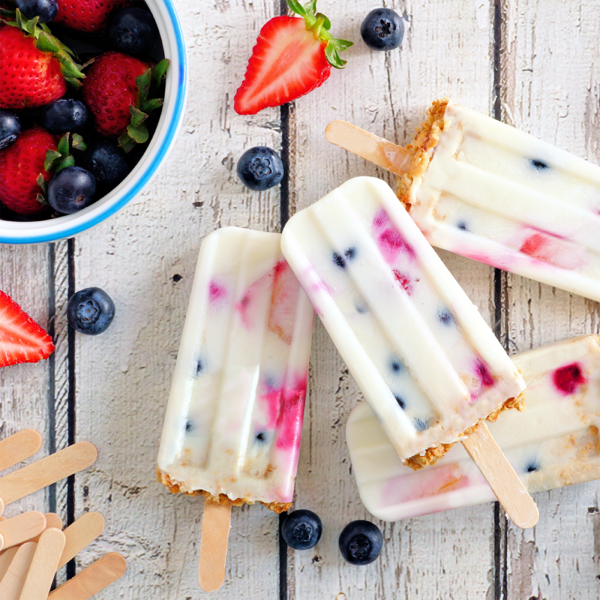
(445, 316)
(421, 424)
(531, 467)
(133, 31)
(108, 164)
(189, 426)
(338, 260)
(46, 10)
(10, 128)
(71, 190)
(90, 311)
(382, 29)
(261, 437)
(350, 254)
(64, 115)
(260, 168)
(400, 401)
(462, 225)
(395, 365)
(361, 542)
(538, 165)
(199, 367)
(302, 529)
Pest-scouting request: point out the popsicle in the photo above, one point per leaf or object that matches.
(482, 189)
(421, 353)
(234, 418)
(554, 443)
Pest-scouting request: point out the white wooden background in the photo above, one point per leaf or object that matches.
(531, 63)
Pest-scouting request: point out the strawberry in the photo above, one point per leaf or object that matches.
(117, 89)
(291, 58)
(21, 338)
(21, 166)
(90, 16)
(34, 66)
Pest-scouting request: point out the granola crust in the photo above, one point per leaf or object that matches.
(422, 147)
(432, 455)
(175, 488)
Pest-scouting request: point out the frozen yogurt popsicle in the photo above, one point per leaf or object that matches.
(234, 419)
(482, 189)
(554, 443)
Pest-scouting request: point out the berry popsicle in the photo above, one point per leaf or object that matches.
(234, 418)
(554, 443)
(482, 189)
(421, 353)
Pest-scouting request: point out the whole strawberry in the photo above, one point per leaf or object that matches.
(117, 89)
(20, 168)
(34, 66)
(90, 16)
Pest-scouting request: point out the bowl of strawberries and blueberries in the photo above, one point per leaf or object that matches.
(81, 90)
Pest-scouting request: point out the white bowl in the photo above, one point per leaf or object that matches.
(170, 120)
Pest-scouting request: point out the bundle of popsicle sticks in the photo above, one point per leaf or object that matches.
(33, 546)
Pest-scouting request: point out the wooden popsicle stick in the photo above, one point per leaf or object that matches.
(6, 558)
(12, 583)
(80, 535)
(43, 565)
(501, 477)
(23, 528)
(213, 546)
(47, 471)
(52, 521)
(368, 146)
(92, 580)
(19, 447)
(1, 506)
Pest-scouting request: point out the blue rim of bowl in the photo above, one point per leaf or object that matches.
(150, 169)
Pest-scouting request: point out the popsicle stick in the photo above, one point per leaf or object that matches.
(1, 506)
(368, 146)
(92, 580)
(52, 521)
(47, 471)
(12, 583)
(23, 528)
(80, 535)
(43, 565)
(501, 477)
(6, 558)
(19, 447)
(213, 547)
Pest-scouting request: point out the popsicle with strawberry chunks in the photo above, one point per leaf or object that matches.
(234, 419)
(554, 443)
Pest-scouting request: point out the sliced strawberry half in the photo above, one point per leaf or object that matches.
(21, 338)
(292, 57)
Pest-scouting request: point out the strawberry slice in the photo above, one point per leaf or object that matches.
(291, 58)
(21, 338)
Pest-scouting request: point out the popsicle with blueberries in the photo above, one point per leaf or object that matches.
(233, 423)
(554, 443)
(424, 358)
(485, 190)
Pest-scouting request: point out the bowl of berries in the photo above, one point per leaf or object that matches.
(92, 95)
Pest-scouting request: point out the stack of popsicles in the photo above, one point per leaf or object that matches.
(430, 368)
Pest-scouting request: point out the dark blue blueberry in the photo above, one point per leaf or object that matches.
(533, 466)
(261, 437)
(302, 529)
(421, 424)
(382, 29)
(361, 308)
(350, 253)
(10, 128)
(539, 165)
(90, 311)
(71, 189)
(462, 225)
(189, 426)
(400, 401)
(46, 10)
(445, 316)
(395, 365)
(108, 164)
(133, 31)
(361, 542)
(338, 260)
(199, 367)
(64, 115)
(260, 168)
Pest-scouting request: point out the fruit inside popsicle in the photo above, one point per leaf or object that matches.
(424, 358)
(234, 419)
(485, 190)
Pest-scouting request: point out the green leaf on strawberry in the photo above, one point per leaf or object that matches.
(61, 158)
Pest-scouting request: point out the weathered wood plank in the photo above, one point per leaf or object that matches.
(446, 51)
(552, 76)
(145, 259)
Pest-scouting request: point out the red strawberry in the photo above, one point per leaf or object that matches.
(21, 338)
(292, 57)
(20, 166)
(90, 16)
